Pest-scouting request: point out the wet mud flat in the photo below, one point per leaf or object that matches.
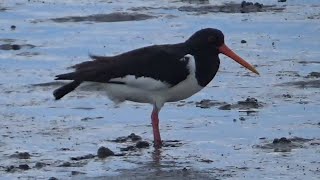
(239, 127)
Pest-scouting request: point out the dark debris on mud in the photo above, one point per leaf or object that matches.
(284, 144)
(313, 75)
(132, 137)
(112, 17)
(9, 46)
(244, 7)
(248, 104)
(21, 155)
(302, 84)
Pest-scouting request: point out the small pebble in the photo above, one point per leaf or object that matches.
(243, 41)
(242, 119)
(13, 27)
(282, 0)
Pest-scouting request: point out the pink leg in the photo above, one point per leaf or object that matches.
(155, 127)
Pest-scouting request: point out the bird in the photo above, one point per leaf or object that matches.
(155, 74)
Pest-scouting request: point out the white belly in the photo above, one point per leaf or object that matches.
(148, 90)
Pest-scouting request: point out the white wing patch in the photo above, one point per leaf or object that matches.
(144, 83)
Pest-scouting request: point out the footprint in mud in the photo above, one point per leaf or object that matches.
(287, 144)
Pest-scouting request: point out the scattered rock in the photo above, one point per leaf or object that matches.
(282, 140)
(242, 119)
(13, 27)
(207, 103)
(15, 46)
(134, 137)
(313, 75)
(40, 165)
(225, 107)
(244, 7)
(172, 143)
(65, 164)
(142, 144)
(282, 0)
(129, 148)
(53, 178)
(24, 167)
(286, 96)
(302, 84)
(88, 156)
(74, 173)
(10, 168)
(285, 144)
(104, 152)
(120, 139)
(249, 103)
(206, 160)
(21, 155)
(243, 41)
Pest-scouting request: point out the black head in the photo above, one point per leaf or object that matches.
(208, 38)
(209, 42)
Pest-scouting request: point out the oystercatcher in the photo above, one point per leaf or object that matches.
(155, 74)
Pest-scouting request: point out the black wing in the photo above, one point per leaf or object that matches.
(158, 62)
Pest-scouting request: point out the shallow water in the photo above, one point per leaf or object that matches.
(212, 143)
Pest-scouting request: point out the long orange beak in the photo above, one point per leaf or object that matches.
(224, 49)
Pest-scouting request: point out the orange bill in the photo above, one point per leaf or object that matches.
(224, 49)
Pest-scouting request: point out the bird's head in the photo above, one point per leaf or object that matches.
(213, 40)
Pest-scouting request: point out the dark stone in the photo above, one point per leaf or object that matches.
(21, 155)
(314, 75)
(24, 166)
(39, 165)
(53, 178)
(242, 119)
(120, 139)
(282, 0)
(65, 164)
(88, 156)
(282, 140)
(286, 96)
(16, 46)
(243, 41)
(142, 144)
(225, 107)
(129, 148)
(73, 173)
(9, 168)
(104, 152)
(13, 27)
(134, 137)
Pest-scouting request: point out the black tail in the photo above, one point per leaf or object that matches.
(62, 91)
